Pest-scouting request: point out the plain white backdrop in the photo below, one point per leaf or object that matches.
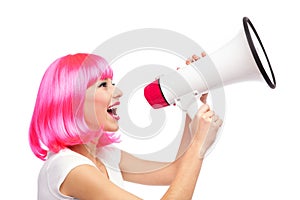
(257, 156)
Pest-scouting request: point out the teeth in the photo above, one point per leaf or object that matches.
(112, 110)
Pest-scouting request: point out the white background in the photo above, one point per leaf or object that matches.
(257, 156)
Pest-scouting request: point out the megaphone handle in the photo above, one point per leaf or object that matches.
(189, 103)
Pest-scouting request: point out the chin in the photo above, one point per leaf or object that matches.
(116, 129)
(112, 128)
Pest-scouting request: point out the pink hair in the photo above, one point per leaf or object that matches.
(58, 117)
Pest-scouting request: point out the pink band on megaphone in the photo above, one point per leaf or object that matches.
(154, 95)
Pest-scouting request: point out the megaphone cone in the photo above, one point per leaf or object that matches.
(243, 59)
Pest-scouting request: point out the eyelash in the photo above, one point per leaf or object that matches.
(104, 84)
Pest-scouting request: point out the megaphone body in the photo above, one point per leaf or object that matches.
(242, 59)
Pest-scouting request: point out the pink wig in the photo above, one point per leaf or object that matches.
(58, 117)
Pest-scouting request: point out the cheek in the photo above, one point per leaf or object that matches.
(100, 108)
(94, 110)
(89, 113)
(102, 101)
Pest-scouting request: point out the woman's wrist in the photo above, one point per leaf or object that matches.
(197, 148)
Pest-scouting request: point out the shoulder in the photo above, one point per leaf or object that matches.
(86, 181)
(58, 166)
(65, 160)
(55, 170)
(81, 178)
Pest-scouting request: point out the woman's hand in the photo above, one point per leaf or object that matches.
(204, 127)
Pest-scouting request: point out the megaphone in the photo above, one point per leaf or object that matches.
(243, 59)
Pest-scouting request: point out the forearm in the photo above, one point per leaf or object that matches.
(155, 173)
(185, 138)
(183, 173)
(205, 125)
(183, 185)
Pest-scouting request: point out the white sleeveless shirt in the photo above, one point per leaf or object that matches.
(58, 166)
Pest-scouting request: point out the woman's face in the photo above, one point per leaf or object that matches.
(100, 106)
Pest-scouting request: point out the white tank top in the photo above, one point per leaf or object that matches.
(58, 165)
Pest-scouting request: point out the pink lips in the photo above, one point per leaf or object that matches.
(115, 104)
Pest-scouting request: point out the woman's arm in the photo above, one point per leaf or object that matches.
(205, 126)
(87, 182)
(149, 172)
(156, 173)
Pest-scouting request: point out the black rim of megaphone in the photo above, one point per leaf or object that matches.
(246, 22)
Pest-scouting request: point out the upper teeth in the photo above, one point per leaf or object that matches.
(112, 109)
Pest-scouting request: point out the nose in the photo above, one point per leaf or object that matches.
(117, 93)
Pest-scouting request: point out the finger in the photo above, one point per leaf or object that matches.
(188, 61)
(218, 122)
(195, 57)
(203, 98)
(209, 114)
(192, 59)
(215, 118)
(203, 109)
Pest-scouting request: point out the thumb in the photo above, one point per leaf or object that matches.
(203, 109)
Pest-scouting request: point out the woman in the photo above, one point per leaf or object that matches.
(73, 125)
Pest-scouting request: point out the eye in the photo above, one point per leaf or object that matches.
(102, 84)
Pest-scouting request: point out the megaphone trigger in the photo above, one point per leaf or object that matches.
(189, 103)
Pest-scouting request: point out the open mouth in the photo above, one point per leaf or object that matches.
(112, 110)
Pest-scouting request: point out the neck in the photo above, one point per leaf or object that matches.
(84, 149)
(88, 150)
